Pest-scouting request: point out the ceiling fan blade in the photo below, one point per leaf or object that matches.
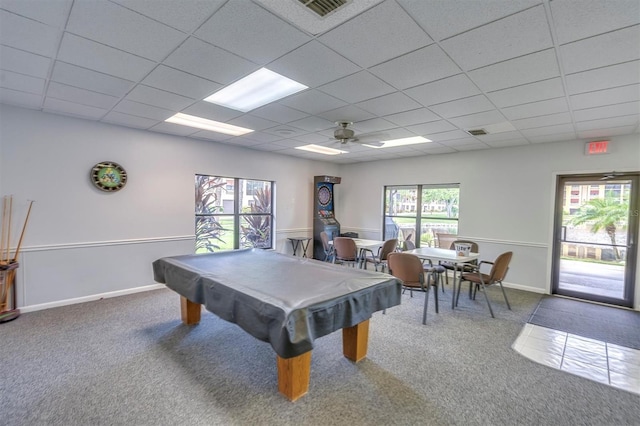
(371, 137)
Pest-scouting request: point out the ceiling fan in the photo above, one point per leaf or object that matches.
(612, 175)
(344, 134)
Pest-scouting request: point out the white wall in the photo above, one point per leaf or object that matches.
(506, 196)
(82, 243)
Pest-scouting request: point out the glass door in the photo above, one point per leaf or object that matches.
(596, 224)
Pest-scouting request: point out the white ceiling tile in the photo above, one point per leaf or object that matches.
(278, 113)
(409, 118)
(447, 89)
(312, 138)
(465, 106)
(308, 65)
(445, 136)
(128, 120)
(143, 110)
(212, 111)
(59, 106)
(395, 34)
(606, 97)
(83, 78)
(607, 123)
(516, 35)
(24, 62)
(480, 119)
(462, 142)
(211, 136)
(347, 113)
(173, 129)
(527, 69)
(425, 129)
(251, 32)
(26, 34)
(556, 137)
(389, 104)
(94, 20)
(436, 16)
(254, 123)
(609, 132)
(261, 137)
(578, 19)
(628, 108)
(21, 82)
(88, 54)
(542, 121)
(357, 87)
(312, 102)
(179, 82)
(376, 125)
(80, 96)
(549, 130)
(535, 109)
(312, 124)
(507, 143)
(285, 131)
(604, 78)
(186, 16)
(496, 137)
(473, 147)
(541, 90)
(432, 62)
(202, 59)
(53, 13)
(24, 99)
(152, 96)
(600, 51)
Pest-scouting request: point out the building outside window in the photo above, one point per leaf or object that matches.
(233, 213)
(418, 212)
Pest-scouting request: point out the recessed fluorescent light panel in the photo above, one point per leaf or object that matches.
(321, 149)
(203, 123)
(400, 142)
(256, 89)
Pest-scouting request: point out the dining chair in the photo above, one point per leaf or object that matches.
(408, 268)
(468, 267)
(435, 271)
(480, 280)
(328, 249)
(345, 251)
(379, 258)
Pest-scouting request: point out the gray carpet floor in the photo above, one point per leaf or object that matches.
(604, 323)
(129, 361)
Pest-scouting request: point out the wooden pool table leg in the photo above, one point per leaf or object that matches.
(355, 340)
(189, 311)
(293, 375)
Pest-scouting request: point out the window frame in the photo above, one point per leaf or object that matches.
(238, 215)
(417, 212)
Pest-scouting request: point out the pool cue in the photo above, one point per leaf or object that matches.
(9, 226)
(12, 273)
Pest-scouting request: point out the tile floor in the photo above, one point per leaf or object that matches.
(603, 362)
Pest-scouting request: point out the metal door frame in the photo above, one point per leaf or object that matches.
(632, 234)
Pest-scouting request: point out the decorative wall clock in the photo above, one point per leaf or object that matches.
(108, 176)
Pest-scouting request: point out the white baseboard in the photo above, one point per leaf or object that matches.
(58, 303)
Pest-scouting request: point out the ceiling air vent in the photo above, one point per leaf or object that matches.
(477, 132)
(323, 7)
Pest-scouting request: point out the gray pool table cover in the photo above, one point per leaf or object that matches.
(284, 300)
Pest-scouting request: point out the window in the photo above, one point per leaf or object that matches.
(418, 212)
(232, 213)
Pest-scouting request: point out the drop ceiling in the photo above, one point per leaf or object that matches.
(526, 71)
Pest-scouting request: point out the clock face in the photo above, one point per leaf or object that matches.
(108, 176)
(324, 195)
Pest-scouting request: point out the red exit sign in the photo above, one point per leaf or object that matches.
(596, 147)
